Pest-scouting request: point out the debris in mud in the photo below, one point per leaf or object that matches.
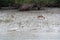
(12, 16)
(5, 21)
(13, 29)
(34, 29)
(41, 17)
(1, 20)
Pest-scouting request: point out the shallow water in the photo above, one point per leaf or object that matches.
(30, 25)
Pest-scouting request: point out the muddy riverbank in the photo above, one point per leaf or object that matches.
(30, 25)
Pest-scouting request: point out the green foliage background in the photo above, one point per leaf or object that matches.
(41, 2)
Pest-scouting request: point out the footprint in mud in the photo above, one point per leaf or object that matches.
(41, 17)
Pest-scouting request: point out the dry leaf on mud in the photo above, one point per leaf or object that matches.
(41, 17)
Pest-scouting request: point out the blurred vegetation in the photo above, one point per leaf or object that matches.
(41, 2)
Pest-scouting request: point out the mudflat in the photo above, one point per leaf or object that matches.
(30, 25)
